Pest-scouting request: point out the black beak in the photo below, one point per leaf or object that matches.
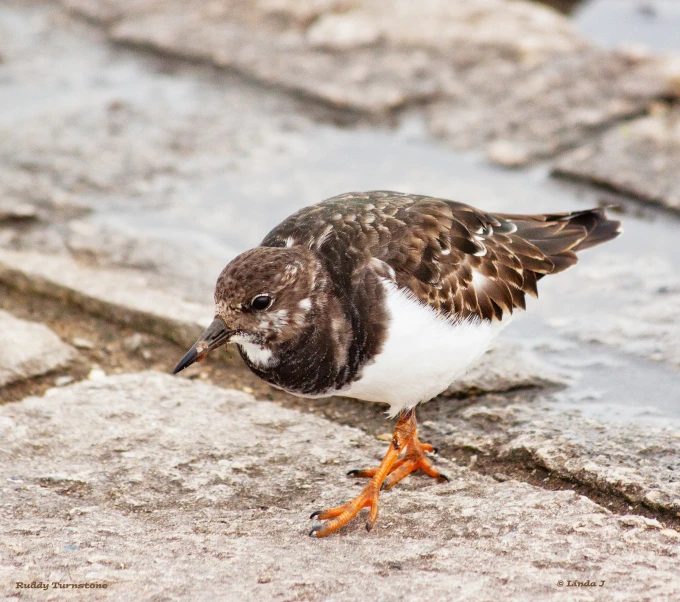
(215, 335)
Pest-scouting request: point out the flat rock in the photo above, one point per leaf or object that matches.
(511, 77)
(505, 368)
(637, 462)
(538, 111)
(640, 158)
(14, 211)
(29, 349)
(361, 55)
(122, 296)
(629, 302)
(188, 492)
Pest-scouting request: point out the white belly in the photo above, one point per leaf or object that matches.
(422, 354)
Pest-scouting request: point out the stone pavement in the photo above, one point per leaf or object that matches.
(562, 444)
(176, 490)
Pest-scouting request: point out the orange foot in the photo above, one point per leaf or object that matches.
(391, 470)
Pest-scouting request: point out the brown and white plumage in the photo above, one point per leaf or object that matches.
(435, 247)
(386, 297)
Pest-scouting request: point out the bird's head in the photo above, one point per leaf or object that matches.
(263, 298)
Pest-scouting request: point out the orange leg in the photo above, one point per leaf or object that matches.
(391, 470)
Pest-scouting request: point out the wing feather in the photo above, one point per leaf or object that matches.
(461, 261)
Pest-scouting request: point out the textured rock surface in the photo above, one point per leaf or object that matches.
(628, 302)
(120, 296)
(29, 349)
(641, 158)
(168, 488)
(504, 368)
(357, 54)
(637, 462)
(512, 74)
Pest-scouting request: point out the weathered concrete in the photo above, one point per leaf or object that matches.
(162, 487)
(640, 158)
(29, 349)
(122, 296)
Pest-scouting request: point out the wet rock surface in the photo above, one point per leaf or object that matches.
(645, 322)
(641, 158)
(120, 296)
(29, 349)
(505, 368)
(497, 75)
(178, 487)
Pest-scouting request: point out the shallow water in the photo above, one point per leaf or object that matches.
(654, 23)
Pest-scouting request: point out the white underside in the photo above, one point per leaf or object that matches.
(422, 354)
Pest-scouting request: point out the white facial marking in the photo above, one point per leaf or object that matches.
(305, 304)
(290, 241)
(260, 356)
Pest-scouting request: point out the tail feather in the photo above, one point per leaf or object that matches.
(603, 230)
(559, 236)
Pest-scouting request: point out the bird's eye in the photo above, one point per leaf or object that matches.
(261, 302)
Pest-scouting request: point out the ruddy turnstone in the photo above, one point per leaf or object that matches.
(386, 297)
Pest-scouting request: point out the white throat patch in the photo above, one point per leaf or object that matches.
(258, 355)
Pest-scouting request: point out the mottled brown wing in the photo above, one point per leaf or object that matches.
(461, 261)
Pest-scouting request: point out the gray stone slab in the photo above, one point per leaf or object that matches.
(629, 302)
(362, 55)
(29, 349)
(639, 158)
(505, 368)
(511, 78)
(163, 487)
(539, 111)
(637, 462)
(122, 296)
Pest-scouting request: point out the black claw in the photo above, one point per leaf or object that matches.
(353, 473)
(435, 450)
(315, 514)
(369, 526)
(314, 531)
(443, 478)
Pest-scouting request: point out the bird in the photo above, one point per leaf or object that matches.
(386, 297)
